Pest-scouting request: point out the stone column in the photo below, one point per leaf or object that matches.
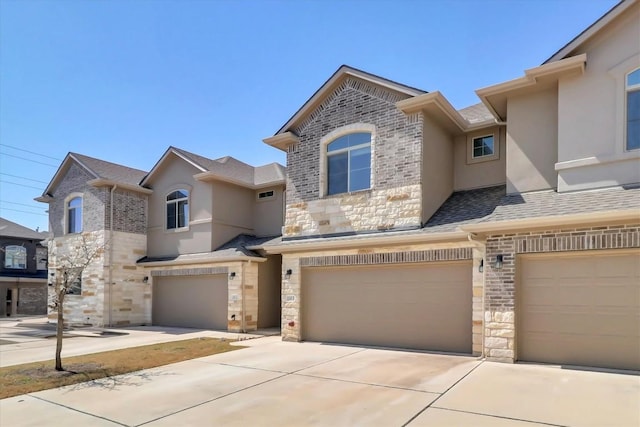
(477, 302)
(291, 296)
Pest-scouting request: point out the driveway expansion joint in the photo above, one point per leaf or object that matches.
(365, 383)
(442, 394)
(77, 410)
(499, 416)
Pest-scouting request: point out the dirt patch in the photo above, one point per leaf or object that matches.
(31, 377)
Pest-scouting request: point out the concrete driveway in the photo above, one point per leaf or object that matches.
(279, 383)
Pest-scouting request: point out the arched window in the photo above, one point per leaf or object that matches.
(15, 257)
(74, 215)
(349, 163)
(633, 109)
(177, 209)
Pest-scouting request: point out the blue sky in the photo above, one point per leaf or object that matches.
(123, 80)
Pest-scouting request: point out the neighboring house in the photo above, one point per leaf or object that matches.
(100, 205)
(175, 240)
(509, 229)
(23, 270)
(203, 214)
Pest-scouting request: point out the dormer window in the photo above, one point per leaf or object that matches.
(633, 110)
(177, 209)
(349, 163)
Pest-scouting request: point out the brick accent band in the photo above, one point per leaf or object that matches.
(454, 254)
(190, 271)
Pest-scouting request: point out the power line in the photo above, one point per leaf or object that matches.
(23, 177)
(18, 210)
(30, 152)
(22, 204)
(21, 185)
(29, 160)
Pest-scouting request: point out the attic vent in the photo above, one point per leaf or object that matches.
(265, 195)
(292, 148)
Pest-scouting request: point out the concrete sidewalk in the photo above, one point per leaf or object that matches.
(32, 339)
(281, 383)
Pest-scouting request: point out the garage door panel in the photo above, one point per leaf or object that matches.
(190, 301)
(408, 306)
(577, 318)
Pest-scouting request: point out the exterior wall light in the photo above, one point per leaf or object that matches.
(498, 264)
(145, 279)
(481, 266)
(232, 275)
(288, 273)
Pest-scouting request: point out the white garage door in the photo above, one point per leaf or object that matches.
(190, 301)
(580, 309)
(417, 306)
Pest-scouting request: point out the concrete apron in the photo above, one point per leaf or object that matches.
(275, 382)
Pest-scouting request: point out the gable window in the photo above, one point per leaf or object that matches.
(178, 209)
(15, 257)
(483, 146)
(349, 163)
(633, 110)
(74, 215)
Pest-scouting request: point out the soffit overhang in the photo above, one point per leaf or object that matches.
(535, 79)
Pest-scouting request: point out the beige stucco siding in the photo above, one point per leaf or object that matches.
(591, 111)
(232, 212)
(468, 175)
(437, 167)
(268, 215)
(178, 174)
(532, 141)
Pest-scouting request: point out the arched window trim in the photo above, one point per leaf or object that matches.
(334, 135)
(173, 225)
(77, 210)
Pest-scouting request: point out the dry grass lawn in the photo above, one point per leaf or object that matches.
(31, 377)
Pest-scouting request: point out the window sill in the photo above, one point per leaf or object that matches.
(351, 193)
(176, 230)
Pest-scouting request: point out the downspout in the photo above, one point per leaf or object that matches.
(242, 272)
(113, 189)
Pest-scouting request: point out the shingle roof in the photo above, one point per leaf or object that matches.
(237, 247)
(111, 171)
(476, 113)
(11, 229)
(232, 168)
(550, 203)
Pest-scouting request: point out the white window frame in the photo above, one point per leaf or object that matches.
(486, 158)
(627, 90)
(22, 249)
(68, 200)
(619, 74)
(332, 136)
(175, 201)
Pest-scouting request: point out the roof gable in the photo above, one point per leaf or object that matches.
(226, 169)
(333, 84)
(101, 171)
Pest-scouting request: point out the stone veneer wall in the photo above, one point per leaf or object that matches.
(245, 272)
(291, 285)
(130, 296)
(394, 200)
(500, 286)
(87, 308)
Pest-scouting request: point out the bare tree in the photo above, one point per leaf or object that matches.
(66, 266)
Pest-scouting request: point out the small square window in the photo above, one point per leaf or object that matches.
(483, 146)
